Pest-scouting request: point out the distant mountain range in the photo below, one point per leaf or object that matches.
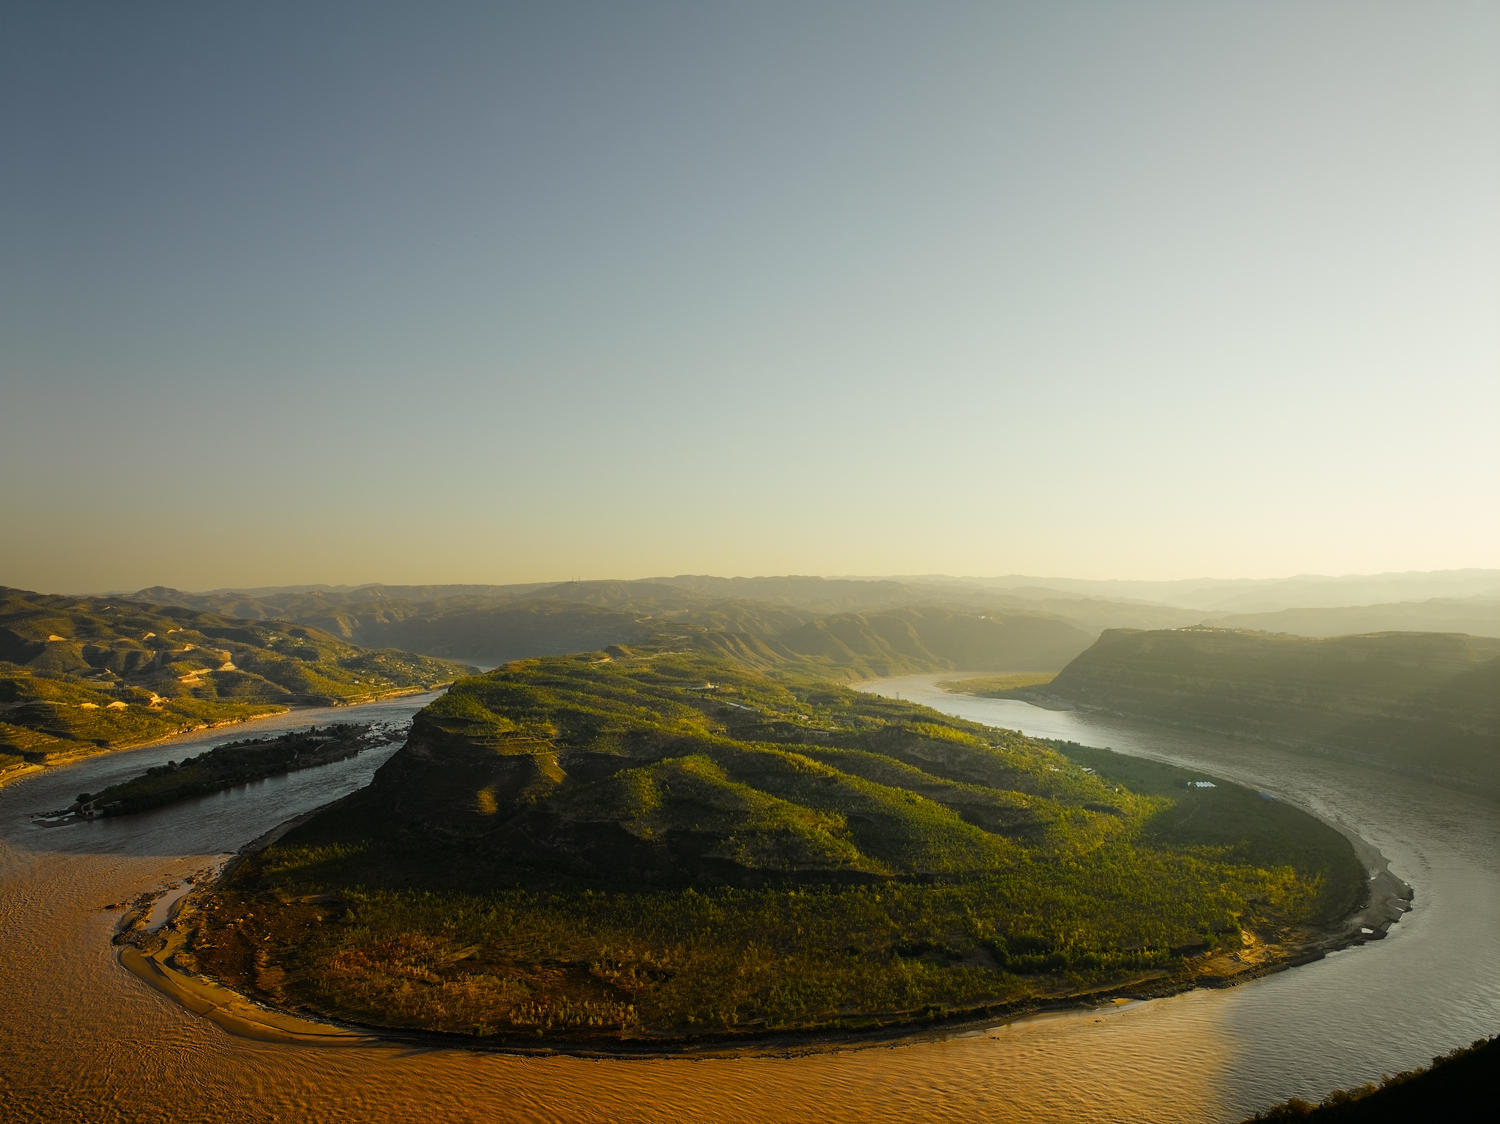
(84, 672)
(1256, 595)
(1478, 616)
(490, 625)
(777, 617)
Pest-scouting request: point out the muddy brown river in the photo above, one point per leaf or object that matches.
(83, 1039)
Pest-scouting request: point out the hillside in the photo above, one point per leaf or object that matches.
(81, 674)
(1425, 703)
(661, 848)
(897, 641)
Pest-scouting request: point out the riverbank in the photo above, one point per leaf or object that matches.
(32, 769)
(155, 958)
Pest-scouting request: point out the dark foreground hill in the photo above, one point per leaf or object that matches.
(1424, 703)
(1458, 1087)
(79, 674)
(661, 848)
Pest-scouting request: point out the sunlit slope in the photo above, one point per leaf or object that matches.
(897, 641)
(84, 673)
(1420, 702)
(675, 766)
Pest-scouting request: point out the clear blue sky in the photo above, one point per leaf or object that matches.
(348, 292)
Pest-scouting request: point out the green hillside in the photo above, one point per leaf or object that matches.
(81, 674)
(897, 641)
(1426, 703)
(651, 848)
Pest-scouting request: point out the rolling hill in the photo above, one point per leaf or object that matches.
(1425, 703)
(82, 674)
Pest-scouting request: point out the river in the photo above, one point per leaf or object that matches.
(83, 1039)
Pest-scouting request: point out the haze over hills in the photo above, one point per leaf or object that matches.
(1253, 595)
(492, 624)
(1477, 616)
(1424, 703)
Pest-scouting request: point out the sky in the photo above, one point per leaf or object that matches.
(490, 292)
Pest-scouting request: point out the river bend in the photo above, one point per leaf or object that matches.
(82, 1039)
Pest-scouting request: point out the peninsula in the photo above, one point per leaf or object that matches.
(630, 850)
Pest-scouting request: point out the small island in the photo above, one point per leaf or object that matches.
(234, 763)
(625, 851)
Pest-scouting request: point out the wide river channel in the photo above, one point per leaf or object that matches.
(83, 1039)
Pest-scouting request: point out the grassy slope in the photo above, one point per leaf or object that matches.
(80, 674)
(1422, 702)
(659, 847)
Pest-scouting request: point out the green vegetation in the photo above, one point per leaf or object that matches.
(895, 641)
(1234, 822)
(1455, 1087)
(998, 686)
(634, 850)
(81, 674)
(234, 763)
(1427, 703)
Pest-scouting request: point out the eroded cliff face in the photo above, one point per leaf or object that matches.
(1425, 703)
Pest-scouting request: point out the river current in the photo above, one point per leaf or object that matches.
(83, 1039)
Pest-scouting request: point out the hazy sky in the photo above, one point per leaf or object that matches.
(347, 292)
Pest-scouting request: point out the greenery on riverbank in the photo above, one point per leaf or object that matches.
(660, 848)
(997, 686)
(234, 763)
(79, 674)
